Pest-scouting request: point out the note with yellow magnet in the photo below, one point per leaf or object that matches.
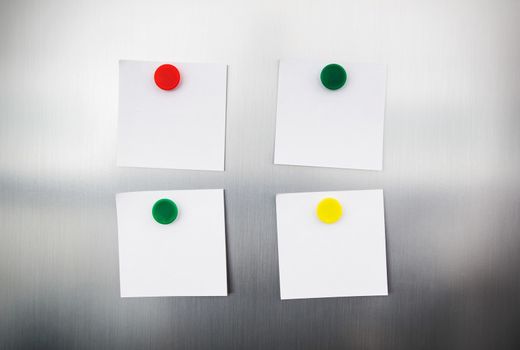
(331, 244)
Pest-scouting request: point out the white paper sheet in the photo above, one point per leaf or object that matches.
(320, 127)
(347, 258)
(183, 128)
(184, 258)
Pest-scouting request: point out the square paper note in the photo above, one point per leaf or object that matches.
(340, 128)
(183, 128)
(185, 257)
(345, 258)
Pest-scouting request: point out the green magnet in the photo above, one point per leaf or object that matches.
(165, 211)
(333, 76)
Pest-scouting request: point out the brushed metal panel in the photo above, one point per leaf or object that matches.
(451, 168)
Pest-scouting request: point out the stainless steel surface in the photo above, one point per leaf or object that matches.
(451, 169)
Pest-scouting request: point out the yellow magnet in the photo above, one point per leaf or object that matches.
(329, 210)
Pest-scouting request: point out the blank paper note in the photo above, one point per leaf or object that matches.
(183, 128)
(345, 258)
(184, 258)
(330, 128)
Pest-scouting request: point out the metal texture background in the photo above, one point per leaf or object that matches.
(451, 173)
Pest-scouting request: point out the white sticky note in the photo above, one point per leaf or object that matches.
(183, 128)
(340, 128)
(346, 258)
(184, 258)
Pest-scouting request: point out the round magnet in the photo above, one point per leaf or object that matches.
(333, 76)
(329, 210)
(167, 77)
(165, 211)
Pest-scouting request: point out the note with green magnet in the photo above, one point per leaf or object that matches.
(172, 243)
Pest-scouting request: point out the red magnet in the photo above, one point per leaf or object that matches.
(167, 77)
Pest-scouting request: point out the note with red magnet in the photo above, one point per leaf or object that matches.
(172, 115)
(331, 244)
